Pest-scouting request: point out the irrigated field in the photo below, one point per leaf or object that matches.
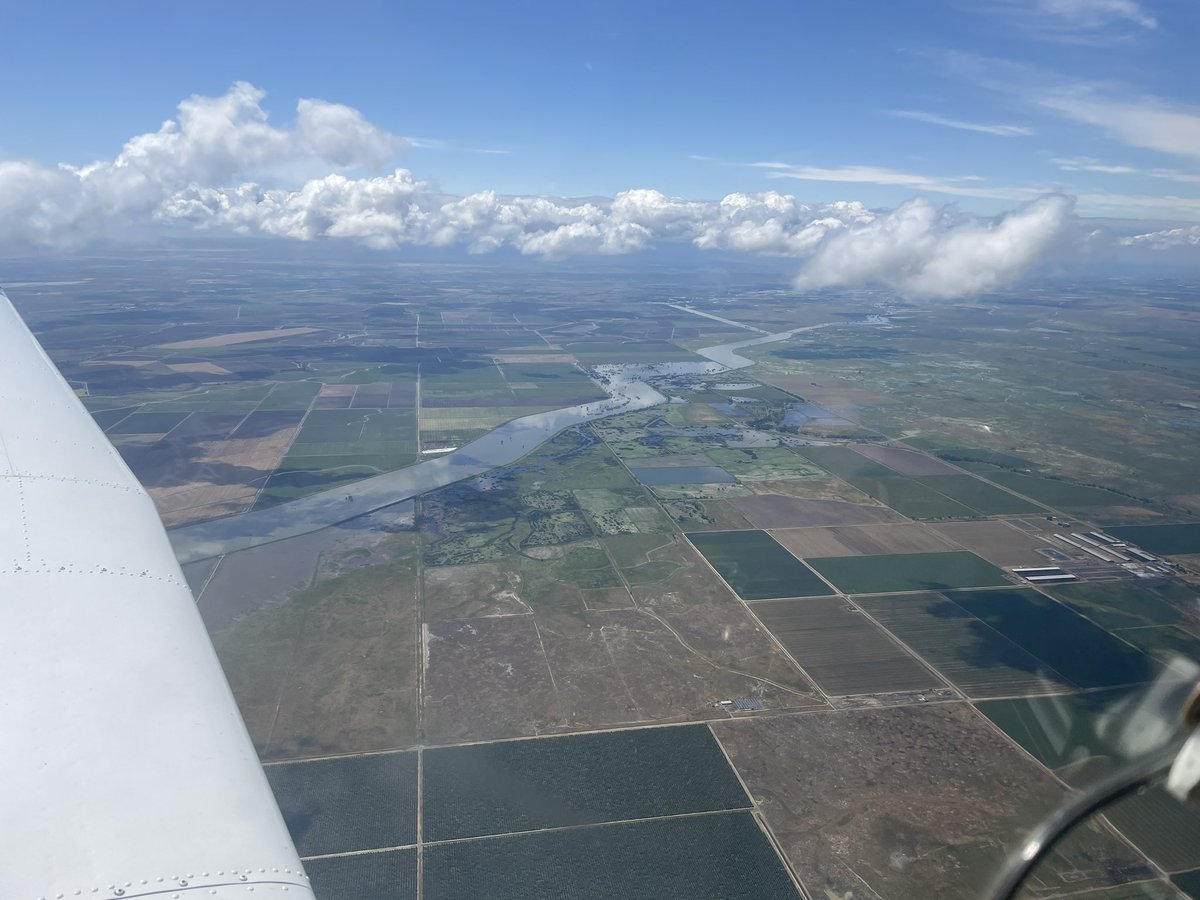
(512, 786)
(1070, 644)
(352, 803)
(756, 566)
(974, 657)
(895, 572)
(710, 857)
(1163, 539)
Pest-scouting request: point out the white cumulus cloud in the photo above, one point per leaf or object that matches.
(1170, 239)
(921, 250)
(211, 141)
(221, 165)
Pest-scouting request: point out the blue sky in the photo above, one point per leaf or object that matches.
(592, 99)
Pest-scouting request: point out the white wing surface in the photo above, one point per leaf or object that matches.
(125, 768)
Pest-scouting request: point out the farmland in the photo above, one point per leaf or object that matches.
(575, 621)
(756, 566)
(893, 572)
(843, 651)
(503, 787)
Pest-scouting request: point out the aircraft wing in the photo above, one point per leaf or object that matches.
(125, 768)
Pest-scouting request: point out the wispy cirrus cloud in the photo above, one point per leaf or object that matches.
(954, 185)
(1071, 21)
(1088, 164)
(1149, 122)
(978, 127)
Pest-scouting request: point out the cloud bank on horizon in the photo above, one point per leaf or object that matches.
(196, 169)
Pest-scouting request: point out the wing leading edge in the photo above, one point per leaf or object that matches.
(125, 768)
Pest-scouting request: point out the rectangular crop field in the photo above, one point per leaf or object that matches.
(1118, 604)
(1166, 540)
(975, 658)
(527, 785)
(391, 875)
(1056, 493)
(905, 462)
(350, 803)
(892, 572)
(1075, 647)
(756, 566)
(724, 856)
(863, 540)
(148, 423)
(984, 498)
(841, 649)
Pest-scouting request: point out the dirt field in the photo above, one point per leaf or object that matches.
(473, 591)
(198, 368)
(862, 540)
(910, 802)
(333, 668)
(690, 582)
(998, 542)
(776, 511)
(240, 337)
(906, 462)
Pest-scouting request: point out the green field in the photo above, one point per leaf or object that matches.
(148, 423)
(1056, 492)
(845, 463)
(972, 656)
(1123, 604)
(984, 498)
(511, 786)
(714, 857)
(1165, 540)
(1070, 644)
(892, 572)
(756, 566)
(391, 875)
(1059, 731)
(351, 803)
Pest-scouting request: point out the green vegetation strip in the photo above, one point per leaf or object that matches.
(525, 785)
(1164, 539)
(892, 572)
(353, 803)
(714, 857)
(757, 566)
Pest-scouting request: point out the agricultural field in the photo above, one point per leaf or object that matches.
(863, 540)
(975, 658)
(352, 803)
(842, 650)
(1070, 644)
(725, 856)
(504, 787)
(756, 566)
(390, 875)
(999, 542)
(568, 601)
(1167, 540)
(895, 572)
